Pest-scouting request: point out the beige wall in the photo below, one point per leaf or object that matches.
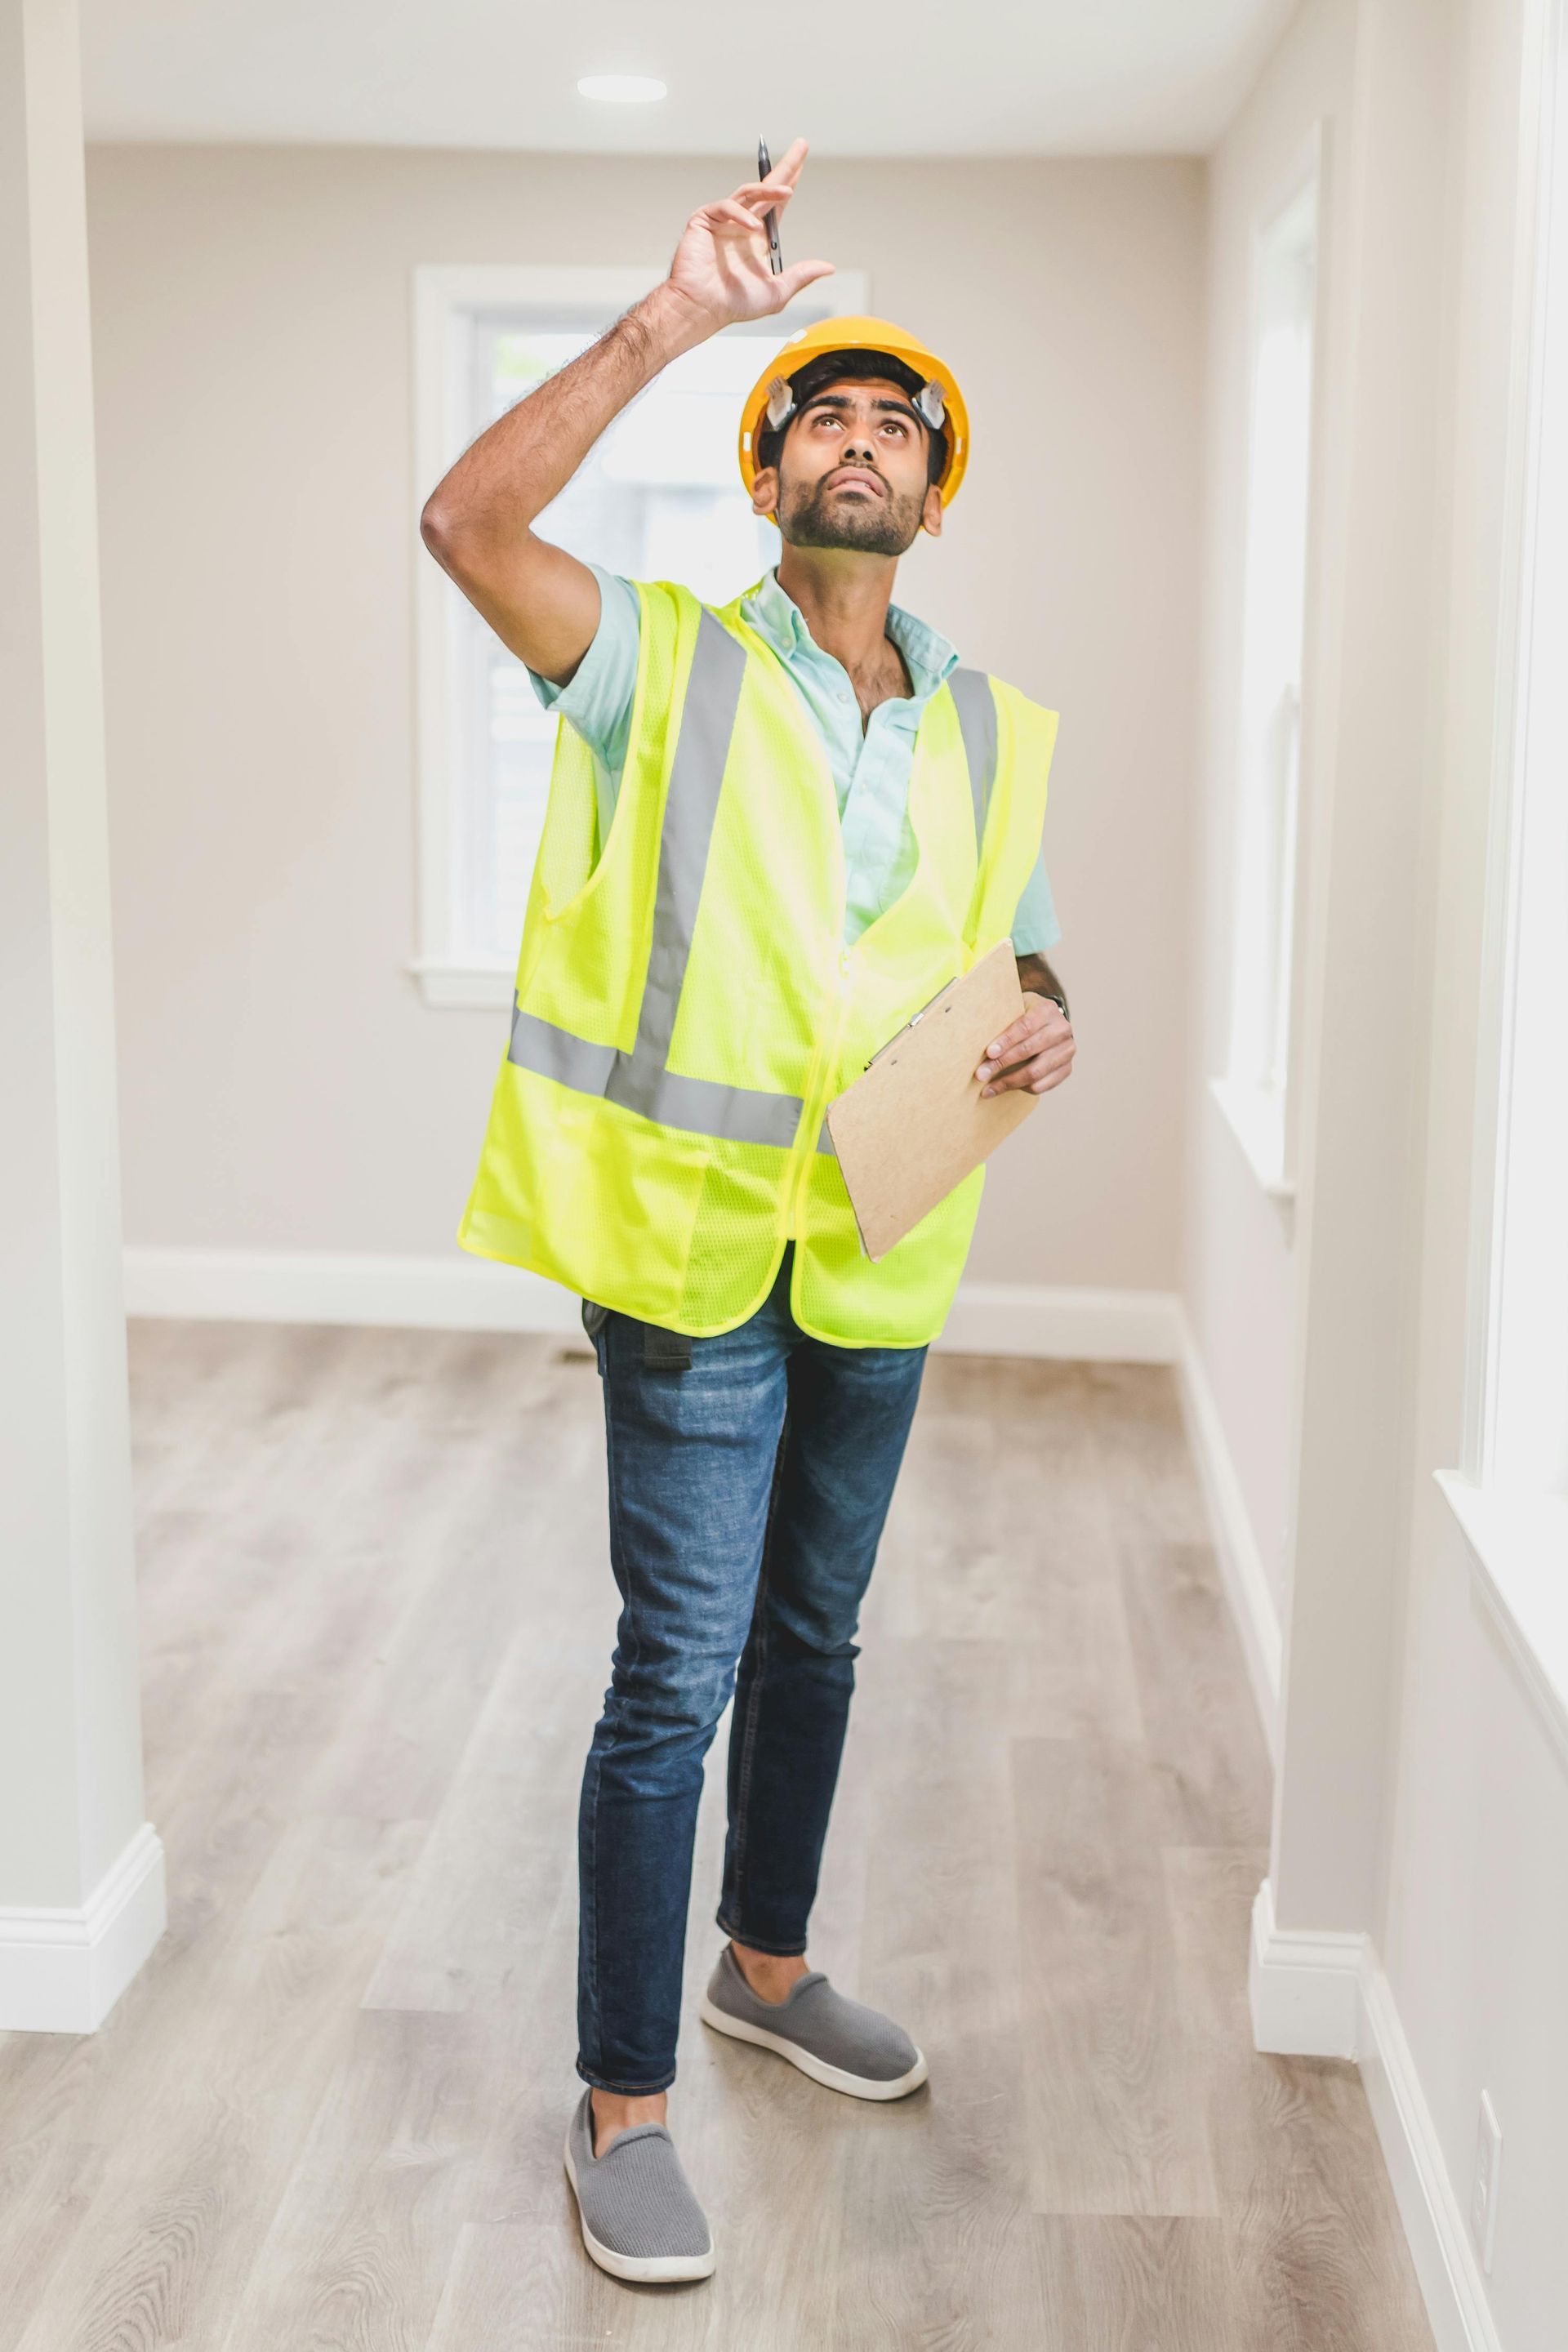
(284, 1086)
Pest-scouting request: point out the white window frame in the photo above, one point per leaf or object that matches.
(1264, 1117)
(1509, 1493)
(445, 298)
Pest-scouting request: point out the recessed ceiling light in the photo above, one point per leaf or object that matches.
(622, 89)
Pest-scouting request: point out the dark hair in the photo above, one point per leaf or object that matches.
(840, 367)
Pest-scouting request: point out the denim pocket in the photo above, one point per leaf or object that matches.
(595, 1318)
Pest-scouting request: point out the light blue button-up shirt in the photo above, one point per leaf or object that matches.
(870, 764)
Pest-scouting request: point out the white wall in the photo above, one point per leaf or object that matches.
(1420, 1858)
(1239, 1270)
(284, 1086)
(81, 1874)
(1474, 1926)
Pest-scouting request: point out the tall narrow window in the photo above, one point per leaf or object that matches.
(1511, 1493)
(1255, 1089)
(659, 498)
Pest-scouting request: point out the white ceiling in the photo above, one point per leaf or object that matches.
(990, 78)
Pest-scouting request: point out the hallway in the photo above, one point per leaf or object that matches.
(328, 2113)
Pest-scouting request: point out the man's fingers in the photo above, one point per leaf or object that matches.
(731, 214)
(1034, 1017)
(770, 195)
(745, 206)
(779, 186)
(1037, 1073)
(1019, 1034)
(801, 273)
(788, 168)
(1025, 1032)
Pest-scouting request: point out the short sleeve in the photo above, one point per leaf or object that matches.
(1036, 929)
(597, 701)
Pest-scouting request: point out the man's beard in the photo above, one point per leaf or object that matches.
(875, 526)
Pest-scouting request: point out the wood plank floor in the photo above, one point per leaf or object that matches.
(327, 2117)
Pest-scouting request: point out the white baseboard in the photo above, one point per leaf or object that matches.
(469, 1294)
(1240, 1561)
(442, 1293)
(1304, 1986)
(61, 1971)
(1440, 2244)
(1094, 1327)
(1319, 1994)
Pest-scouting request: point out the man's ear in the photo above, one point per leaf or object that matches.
(930, 512)
(765, 492)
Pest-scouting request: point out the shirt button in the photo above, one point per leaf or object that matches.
(844, 959)
(843, 694)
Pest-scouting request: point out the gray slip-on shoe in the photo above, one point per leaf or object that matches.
(834, 2040)
(639, 2217)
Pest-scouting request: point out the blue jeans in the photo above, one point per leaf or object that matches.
(747, 1497)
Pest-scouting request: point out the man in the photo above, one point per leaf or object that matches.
(774, 832)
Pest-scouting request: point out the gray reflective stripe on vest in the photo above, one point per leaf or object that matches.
(691, 803)
(971, 690)
(700, 1105)
(641, 1081)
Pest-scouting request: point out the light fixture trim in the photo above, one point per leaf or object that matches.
(622, 89)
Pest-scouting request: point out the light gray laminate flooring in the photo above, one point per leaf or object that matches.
(376, 1620)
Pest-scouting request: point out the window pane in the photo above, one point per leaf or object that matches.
(1277, 506)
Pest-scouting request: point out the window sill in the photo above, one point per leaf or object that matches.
(1518, 1549)
(463, 987)
(1257, 1122)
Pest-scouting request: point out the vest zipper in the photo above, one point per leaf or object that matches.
(827, 1060)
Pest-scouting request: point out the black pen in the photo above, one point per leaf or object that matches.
(771, 218)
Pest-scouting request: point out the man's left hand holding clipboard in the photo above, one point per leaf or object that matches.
(1036, 1049)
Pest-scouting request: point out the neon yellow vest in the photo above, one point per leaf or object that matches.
(684, 1008)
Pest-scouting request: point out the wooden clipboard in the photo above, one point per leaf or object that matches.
(916, 1123)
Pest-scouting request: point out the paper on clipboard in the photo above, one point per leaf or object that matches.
(915, 1123)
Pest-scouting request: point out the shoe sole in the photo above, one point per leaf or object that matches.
(647, 2269)
(832, 2078)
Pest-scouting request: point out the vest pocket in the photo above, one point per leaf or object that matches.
(589, 1194)
(738, 1236)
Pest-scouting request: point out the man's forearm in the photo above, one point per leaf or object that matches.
(527, 457)
(1037, 978)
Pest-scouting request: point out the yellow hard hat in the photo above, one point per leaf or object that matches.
(861, 335)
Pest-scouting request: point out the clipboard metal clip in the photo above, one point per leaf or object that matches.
(912, 1022)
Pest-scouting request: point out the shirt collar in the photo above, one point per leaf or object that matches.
(775, 615)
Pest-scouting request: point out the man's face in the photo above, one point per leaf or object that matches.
(852, 472)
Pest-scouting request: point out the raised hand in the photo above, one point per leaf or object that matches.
(720, 266)
(479, 520)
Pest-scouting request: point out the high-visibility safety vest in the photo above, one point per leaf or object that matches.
(684, 1008)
